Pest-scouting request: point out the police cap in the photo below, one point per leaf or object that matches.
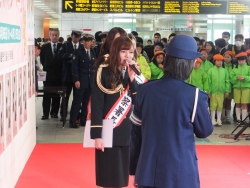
(103, 34)
(76, 33)
(87, 37)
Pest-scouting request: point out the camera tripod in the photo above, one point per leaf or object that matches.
(244, 126)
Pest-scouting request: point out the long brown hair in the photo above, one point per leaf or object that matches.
(114, 60)
(105, 48)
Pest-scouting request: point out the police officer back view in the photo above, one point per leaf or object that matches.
(82, 71)
(66, 53)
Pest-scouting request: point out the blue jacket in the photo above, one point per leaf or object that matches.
(167, 155)
(82, 67)
(64, 53)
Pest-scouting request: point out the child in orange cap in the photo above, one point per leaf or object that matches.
(228, 65)
(219, 82)
(206, 65)
(156, 66)
(248, 57)
(198, 77)
(240, 78)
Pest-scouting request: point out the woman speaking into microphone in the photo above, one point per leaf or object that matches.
(114, 80)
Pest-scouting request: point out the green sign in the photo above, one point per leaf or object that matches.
(10, 33)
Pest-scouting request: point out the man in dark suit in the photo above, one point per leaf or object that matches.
(52, 65)
(66, 54)
(82, 71)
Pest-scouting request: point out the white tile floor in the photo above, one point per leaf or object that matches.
(51, 131)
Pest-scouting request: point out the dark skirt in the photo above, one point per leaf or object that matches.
(112, 167)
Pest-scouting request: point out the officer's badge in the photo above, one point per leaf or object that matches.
(74, 56)
(60, 48)
(78, 33)
(87, 36)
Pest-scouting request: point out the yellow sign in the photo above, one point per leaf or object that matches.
(67, 4)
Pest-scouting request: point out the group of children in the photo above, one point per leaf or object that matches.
(224, 80)
(153, 70)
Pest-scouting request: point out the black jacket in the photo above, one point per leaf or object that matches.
(82, 67)
(101, 103)
(65, 54)
(52, 65)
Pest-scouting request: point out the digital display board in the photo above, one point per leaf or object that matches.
(195, 7)
(157, 6)
(239, 7)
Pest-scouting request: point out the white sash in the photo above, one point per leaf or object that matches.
(140, 79)
(120, 109)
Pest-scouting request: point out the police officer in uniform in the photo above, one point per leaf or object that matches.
(82, 71)
(169, 112)
(66, 53)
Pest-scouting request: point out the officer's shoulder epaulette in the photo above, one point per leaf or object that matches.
(196, 87)
(190, 84)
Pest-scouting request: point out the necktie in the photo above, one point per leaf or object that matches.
(88, 52)
(75, 46)
(54, 50)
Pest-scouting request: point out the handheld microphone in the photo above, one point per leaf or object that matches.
(133, 67)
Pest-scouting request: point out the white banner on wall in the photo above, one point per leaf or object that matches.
(2, 135)
(17, 64)
(17, 101)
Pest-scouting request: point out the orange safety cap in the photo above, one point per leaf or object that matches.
(242, 54)
(229, 53)
(159, 52)
(248, 52)
(203, 49)
(218, 57)
(198, 60)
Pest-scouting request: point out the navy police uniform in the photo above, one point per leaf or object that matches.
(82, 71)
(163, 149)
(66, 53)
(102, 36)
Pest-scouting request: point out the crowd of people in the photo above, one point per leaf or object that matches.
(102, 71)
(150, 58)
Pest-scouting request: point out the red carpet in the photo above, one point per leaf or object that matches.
(71, 166)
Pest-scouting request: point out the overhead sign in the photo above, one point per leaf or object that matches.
(239, 7)
(157, 6)
(67, 5)
(195, 7)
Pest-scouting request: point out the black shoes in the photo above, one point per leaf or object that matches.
(53, 116)
(44, 117)
(73, 125)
